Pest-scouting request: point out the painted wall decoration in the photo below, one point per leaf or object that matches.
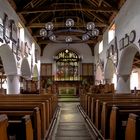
(32, 64)
(18, 51)
(27, 49)
(14, 31)
(1, 30)
(129, 38)
(22, 48)
(9, 30)
(36, 55)
(6, 32)
(112, 52)
(14, 47)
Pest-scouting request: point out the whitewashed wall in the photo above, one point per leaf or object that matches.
(128, 19)
(52, 49)
(5, 7)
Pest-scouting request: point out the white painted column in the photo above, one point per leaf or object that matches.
(123, 84)
(13, 84)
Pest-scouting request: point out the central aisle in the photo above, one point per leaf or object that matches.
(71, 124)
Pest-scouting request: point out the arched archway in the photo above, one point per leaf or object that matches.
(125, 67)
(35, 75)
(25, 69)
(109, 71)
(26, 75)
(8, 59)
(10, 69)
(99, 74)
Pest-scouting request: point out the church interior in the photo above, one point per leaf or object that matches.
(69, 70)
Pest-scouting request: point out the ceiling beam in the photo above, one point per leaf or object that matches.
(35, 18)
(29, 4)
(100, 18)
(48, 41)
(100, 2)
(60, 24)
(100, 9)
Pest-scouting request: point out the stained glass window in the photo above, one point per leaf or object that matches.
(67, 63)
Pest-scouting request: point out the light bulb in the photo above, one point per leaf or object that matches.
(49, 26)
(43, 32)
(69, 22)
(90, 25)
(95, 32)
(85, 37)
(52, 37)
(68, 39)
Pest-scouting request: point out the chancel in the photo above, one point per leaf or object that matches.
(69, 69)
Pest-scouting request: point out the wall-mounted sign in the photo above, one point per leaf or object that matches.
(124, 42)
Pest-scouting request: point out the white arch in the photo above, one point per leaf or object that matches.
(125, 68)
(81, 48)
(109, 69)
(99, 74)
(8, 59)
(126, 60)
(25, 69)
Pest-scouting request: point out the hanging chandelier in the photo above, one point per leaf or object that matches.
(88, 33)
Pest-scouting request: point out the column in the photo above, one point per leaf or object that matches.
(108, 81)
(123, 84)
(13, 84)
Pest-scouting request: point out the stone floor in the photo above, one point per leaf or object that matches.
(71, 124)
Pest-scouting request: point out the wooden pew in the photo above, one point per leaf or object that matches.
(3, 127)
(36, 98)
(118, 121)
(53, 102)
(88, 101)
(21, 129)
(28, 107)
(99, 102)
(106, 110)
(33, 102)
(35, 117)
(133, 127)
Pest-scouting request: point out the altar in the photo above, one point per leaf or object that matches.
(67, 90)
